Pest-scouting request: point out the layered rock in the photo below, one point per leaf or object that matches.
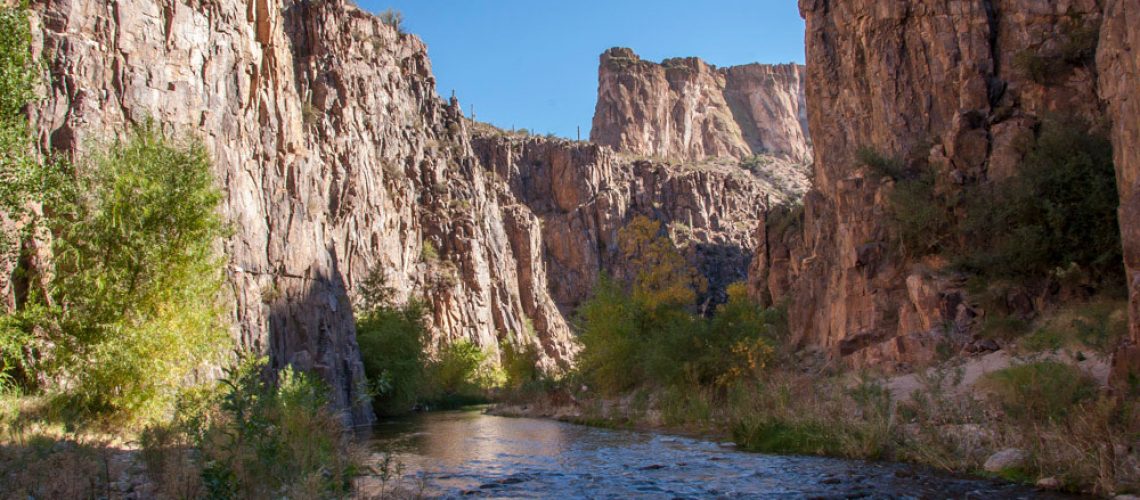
(335, 156)
(686, 109)
(584, 194)
(949, 85)
(1118, 62)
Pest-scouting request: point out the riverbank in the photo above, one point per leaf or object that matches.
(951, 417)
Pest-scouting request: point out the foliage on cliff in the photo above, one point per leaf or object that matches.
(1058, 213)
(641, 333)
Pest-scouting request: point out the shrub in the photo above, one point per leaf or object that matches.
(920, 216)
(1039, 392)
(391, 340)
(462, 374)
(609, 330)
(260, 437)
(520, 364)
(1061, 210)
(137, 276)
(881, 165)
(393, 18)
(1097, 325)
(663, 279)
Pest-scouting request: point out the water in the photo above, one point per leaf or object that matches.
(454, 454)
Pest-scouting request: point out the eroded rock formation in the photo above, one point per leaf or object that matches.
(686, 109)
(585, 193)
(949, 85)
(337, 158)
(335, 155)
(1118, 62)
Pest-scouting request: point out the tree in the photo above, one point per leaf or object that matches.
(664, 279)
(137, 277)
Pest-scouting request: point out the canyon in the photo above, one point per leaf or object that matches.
(338, 159)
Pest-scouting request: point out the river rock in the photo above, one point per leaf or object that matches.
(1049, 483)
(1008, 458)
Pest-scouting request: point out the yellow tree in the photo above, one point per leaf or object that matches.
(663, 277)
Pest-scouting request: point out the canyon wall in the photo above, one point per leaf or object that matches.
(949, 86)
(584, 194)
(337, 159)
(686, 109)
(1118, 62)
(335, 156)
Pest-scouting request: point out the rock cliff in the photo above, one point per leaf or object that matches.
(955, 86)
(686, 109)
(335, 155)
(1118, 62)
(585, 193)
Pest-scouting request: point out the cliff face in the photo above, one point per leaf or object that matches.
(584, 194)
(932, 83)
(1118, 62)
(335, 157)
(686, 109)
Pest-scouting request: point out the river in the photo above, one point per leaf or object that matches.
(468, 453)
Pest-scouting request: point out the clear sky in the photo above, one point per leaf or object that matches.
(534, 63)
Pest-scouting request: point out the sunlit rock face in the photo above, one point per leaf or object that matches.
(932, 83)
(686, 109)
(1118, 64)
(583, 194)
(335, 157)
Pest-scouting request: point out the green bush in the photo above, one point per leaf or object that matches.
(1040, 392)
(137, 281)
(258, 437)
(609, 327)
(391, 340)
(1061, 210)
(461, 375)
(881, 165)
(520, 365)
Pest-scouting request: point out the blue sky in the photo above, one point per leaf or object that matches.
(534, 64)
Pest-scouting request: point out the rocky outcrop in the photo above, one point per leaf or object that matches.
(686, 109)
(335, 157)
(956, 86)
(1118, 62)
(584, 194)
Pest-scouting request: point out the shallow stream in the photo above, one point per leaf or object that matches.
(468, 453)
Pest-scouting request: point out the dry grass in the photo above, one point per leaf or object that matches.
(1091, 447)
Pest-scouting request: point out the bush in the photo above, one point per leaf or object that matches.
(393, 18)
(1044, 391)
(609, 334)
(1097, 325)
(17, 88)
(881, 165)
(520, 365)
(391, 340)
(260, 437)
(1060, 211)
(137, 282)
(461, 375)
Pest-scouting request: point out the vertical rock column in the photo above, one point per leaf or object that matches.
(1118, 61)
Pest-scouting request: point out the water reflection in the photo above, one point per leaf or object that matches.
(452, 454)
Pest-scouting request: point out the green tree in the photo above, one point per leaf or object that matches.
(391, 340)
(137, 277)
